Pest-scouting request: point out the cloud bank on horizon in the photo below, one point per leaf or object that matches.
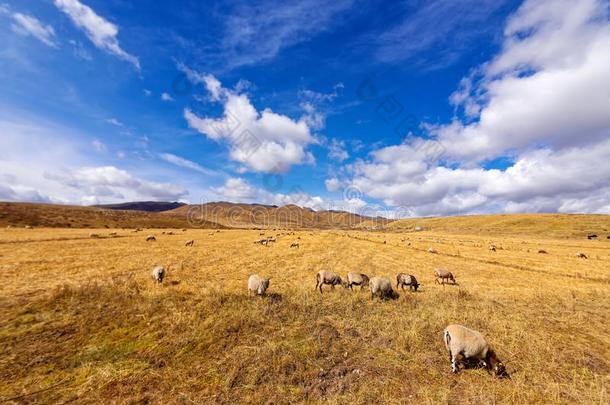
(487, 107)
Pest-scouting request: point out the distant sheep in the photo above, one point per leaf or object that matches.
(327, 277)
(581, 255)
(151, 238)
(189, 242)
(354, 278)
(492, 247)
(432, 250)
(257, 284)
(471, 345)
(443, 274)
(112, 234)
(382, 287)
(294, 245)
(94, 235)
(403, 279)
(28, 227)
(158, 274)
(542, 251)
(591, 237)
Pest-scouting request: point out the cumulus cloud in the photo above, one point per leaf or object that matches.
(110, 182)
(541, 103)
(547, 86)
(100, 31)
(336, 150)
(333, 184)
(166, 97)
(30, 26)
(263, 141)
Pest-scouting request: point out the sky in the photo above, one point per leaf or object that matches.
(400, 109)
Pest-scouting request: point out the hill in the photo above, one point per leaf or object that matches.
(68, 216)
(149, 206)
(551, 225)
(270, 216)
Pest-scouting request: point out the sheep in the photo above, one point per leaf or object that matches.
(151, 238)
(159, 273)
(94, 235)
(112, 234)
(591, 237)
(542, 251)
(189, 242)
(581, 255)
(403, 280)
(28, 227)
(327, 277)
(492, 247)
(294, 245)
(382, 287)
(443, 274)
(354, 278)
(170, 233)
(432, 250)
(258, 284)
(470, 344)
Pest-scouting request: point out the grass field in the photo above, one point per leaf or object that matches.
(81, 320)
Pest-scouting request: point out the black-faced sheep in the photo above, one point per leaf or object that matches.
(190, 242)
(382, 287)
(258, 284)
(442, 275)
(471, 345)
(327, 277)
(354, 278)
(158, 274)
(403, 279)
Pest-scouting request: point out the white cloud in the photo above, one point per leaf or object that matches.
(99, 145)
(542, 103)
(188, 164)
(333, 184)
(263, 141)
(115, 122)
(110, 182)
(147, 92)
(166, 97)
(336, 150)
(549, 85)
(28, 25)
(258, 32)
(100, 31)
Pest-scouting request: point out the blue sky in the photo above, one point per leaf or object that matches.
(411, 109)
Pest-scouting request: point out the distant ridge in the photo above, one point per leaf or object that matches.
(148, 206)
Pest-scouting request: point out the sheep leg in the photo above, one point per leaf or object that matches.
(454, 364)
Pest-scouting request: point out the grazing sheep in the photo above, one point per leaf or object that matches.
(158, 274)
(258, 284)
(189, 242)
(492, 247)
(470, 344)
(151, 238)
(28, 227)
(138, 229)
(581, 255)
(432, 250)
(354, 278)
(94, 235)
(112, 234)
(183, 229)
(542, 251)
(271, 239)
(403, 279)
(382, 287)
(327, 277)
(591, 237)
(443, 274)
(294, 245)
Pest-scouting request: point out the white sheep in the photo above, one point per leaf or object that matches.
(327, 277)
(354, 278)
(581, 255)
(403, 279)
(258, 284)
(382, 287)
(432, 250)
(443, 274)
(471, 345)
(190, 242)
(151, 238)
(294, 245)
(159, 273)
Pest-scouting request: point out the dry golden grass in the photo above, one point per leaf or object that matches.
(81, 320)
